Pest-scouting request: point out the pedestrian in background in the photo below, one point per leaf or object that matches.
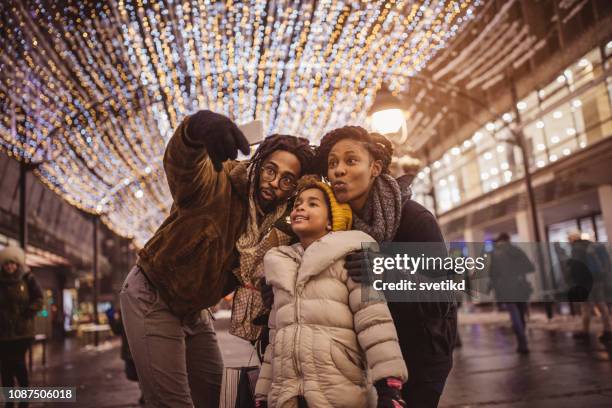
(20, 299)
(587, 274)
(509, 266)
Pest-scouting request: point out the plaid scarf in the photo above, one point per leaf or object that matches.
(252, 245)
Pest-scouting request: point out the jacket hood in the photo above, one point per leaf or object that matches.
(319, 256)
(12, 254)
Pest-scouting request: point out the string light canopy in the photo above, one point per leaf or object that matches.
(92, 90)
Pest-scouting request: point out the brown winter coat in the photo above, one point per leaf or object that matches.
(192, 254)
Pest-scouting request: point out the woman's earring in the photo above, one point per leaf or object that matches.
(328, 228)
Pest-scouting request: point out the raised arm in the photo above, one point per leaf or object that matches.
(194, 157)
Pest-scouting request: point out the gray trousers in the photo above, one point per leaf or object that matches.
(179, 363)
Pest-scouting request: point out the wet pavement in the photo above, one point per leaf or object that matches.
(559, 371)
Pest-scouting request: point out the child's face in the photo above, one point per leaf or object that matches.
(309, 216)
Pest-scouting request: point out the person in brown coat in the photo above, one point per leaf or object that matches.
(222, 212)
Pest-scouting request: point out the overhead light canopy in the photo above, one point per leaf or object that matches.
(96, 88)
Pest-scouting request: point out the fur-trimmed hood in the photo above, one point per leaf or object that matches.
(16, 255)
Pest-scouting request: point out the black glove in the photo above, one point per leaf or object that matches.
(357, 266)
(389, 392)
(218, 134)
(267, 295)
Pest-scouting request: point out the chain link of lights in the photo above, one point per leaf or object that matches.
(93, 89)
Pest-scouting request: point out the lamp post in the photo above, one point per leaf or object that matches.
(386, 114)
(96, 281)
(385, 103)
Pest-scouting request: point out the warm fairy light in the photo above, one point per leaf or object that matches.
(99, 86)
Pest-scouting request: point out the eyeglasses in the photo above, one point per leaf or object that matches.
(286, 182)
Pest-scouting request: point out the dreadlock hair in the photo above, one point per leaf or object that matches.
(299, 146)
(377, 145)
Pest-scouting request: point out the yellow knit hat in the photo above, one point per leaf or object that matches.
(342, 215)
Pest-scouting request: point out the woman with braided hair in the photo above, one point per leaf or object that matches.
(221, 223)
(356, 163)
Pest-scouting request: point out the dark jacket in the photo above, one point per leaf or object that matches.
(508, 271)
(426, 331)
(584, 270)
(190, 258)
(20, 299)
(586, 263)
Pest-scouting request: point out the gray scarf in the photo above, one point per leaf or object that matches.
(382, 213)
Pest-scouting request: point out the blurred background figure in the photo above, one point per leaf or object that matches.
(394, 168)
(404, 170)
(587, 273)
(116, 323)
(20, 299)
(508, 271)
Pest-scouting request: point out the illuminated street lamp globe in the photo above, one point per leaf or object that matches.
(387, 120)
(385, 113)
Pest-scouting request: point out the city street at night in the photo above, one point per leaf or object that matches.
(306, 203)
(559, 372)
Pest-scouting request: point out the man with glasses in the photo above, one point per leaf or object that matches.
(222, 221)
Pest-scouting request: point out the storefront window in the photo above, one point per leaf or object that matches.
(555, 91)
(587, 228)
(529, 107)
(594, 111)
(534, 133)
(470, 176)
(585, 69)
(600, 227)
(447, 193)
(556, 124)
(574, 124)
(558, 232)
(497, 165)
(421, 189)
(560, 131)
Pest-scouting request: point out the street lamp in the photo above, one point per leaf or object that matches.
(518, 139)
(386, 115)
(387, 121)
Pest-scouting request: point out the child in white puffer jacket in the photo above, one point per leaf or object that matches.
(323, 337)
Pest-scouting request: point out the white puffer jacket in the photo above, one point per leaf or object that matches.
(321, 333)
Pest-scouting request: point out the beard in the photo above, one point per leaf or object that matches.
(266, 205)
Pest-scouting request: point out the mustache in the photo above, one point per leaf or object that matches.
(267, 190)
